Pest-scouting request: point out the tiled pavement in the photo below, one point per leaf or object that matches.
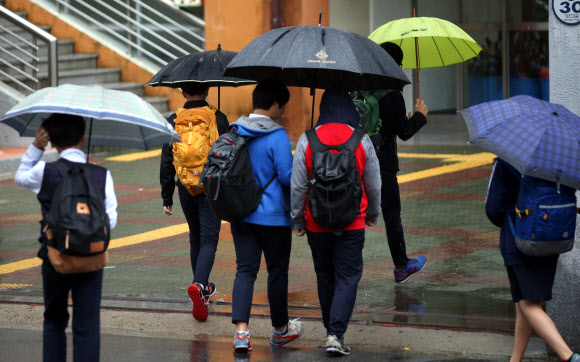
(464, 284)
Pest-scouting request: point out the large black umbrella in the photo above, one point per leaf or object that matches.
(204, 67)
(318, 57)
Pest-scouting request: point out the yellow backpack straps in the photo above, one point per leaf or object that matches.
(197, 129)
(214, 134)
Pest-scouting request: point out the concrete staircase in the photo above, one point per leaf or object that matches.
(73, 68)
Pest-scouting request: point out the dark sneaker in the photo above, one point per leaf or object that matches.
(413, 266)
(242, 341)
(199, 310)
(294, 331)
(209, 292)
(336, 347)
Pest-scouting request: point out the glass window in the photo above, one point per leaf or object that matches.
(529, 69)
(482, 78)
(479, 11)
(438, 87)
(442, 9)
(528, 10)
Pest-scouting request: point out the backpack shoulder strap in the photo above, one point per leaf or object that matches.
(354, 140)
(61, 167)
(314, 141)
(317, 146)
(269, 182)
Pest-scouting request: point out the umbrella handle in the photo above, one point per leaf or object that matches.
(417, 59)
(313, 94)
(417, 63)
(89, 141)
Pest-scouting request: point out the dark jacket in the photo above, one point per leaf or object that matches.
(166, 168)
(392, 112)
(502, 196)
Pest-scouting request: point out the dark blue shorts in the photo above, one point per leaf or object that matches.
(532, 282)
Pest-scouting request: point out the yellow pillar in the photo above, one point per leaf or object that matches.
(234, 24)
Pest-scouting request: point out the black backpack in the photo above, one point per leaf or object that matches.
(77, 222)
(335, 189)
(231, 188)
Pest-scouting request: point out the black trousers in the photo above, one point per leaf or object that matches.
(204, 233)
(338, 262)
(391, 205)
(250, 241)
(86, 291)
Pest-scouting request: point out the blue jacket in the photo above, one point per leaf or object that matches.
(502, 196)
(270, 155)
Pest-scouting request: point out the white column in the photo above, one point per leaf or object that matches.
(564, 308)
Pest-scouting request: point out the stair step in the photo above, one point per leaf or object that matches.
(133, 87)
(66, 62)
(90, 76)
(22, 14)
(74, 68)
(64, 46)
(19, 31)
(79, 76)
(159, 103)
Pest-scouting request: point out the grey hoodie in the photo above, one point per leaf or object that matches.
(371, 179)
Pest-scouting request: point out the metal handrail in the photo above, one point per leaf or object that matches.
(149, 34)
(28, 67)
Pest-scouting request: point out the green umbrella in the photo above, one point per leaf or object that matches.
(427, 42)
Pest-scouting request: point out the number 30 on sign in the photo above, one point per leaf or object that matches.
(567, 11)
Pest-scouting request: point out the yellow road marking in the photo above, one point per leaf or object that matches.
(14, 286)
(20, 265)
(138, 156)
(134, 156)
(463, 162)
(115, 243)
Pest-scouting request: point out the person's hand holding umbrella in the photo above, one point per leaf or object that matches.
(41, 139)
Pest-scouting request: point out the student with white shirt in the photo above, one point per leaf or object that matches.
(67, 134)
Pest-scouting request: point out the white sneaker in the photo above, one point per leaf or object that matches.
(336, 347)
(295, 329)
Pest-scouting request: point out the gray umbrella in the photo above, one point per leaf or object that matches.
(318, 57)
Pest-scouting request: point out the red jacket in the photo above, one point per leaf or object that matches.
(336, 134)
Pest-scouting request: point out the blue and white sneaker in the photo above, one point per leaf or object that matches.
(292, 333)
(413, 266)
(242, 341)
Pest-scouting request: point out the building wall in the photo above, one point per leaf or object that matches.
(351, 15)
(564, 89)
(234, 24)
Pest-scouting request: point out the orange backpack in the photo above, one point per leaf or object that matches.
(197, 128)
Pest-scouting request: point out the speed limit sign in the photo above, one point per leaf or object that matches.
(567, 11)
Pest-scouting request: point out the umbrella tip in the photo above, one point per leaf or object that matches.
(320, 18)
(219, 47)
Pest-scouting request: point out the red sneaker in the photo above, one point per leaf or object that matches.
(199, 310)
